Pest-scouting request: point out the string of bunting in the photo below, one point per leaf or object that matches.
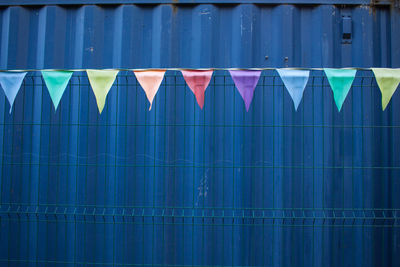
(245, 80)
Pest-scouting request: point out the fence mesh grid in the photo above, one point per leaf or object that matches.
(181, 186)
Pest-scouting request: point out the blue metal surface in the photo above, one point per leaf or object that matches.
(180, 186)
(143, 36)
(86, 2)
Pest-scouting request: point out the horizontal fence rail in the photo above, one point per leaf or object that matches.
(204, 216)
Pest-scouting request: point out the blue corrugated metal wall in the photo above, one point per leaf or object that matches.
(143, 36)
(180, 186)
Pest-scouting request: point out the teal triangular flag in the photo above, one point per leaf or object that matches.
(295, 82)
(11, 83)
(340, 81)
(56, 82)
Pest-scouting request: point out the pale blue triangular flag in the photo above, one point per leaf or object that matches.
(11, 83)
(295, 82)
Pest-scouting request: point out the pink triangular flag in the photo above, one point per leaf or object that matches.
(198, 80)
(150, 81)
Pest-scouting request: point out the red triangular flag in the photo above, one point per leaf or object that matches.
(198, 80)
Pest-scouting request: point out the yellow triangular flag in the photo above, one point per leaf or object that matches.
(388, 80)
(101, 82)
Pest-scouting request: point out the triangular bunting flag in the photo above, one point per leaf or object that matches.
(295, 82)
(150, 80)
(56, 82)
(11, 83)
(198, 80)
(101, 82)
(246, 81)
(388, 80)
(340, 81)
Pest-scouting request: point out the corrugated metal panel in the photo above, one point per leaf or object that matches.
(143, 36)
(180, 186)
(302, 2)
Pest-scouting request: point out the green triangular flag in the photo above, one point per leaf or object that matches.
(388, 80)
(340, 81)
(56, 82)
(101, 82)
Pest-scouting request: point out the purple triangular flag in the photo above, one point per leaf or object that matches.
(246, 81)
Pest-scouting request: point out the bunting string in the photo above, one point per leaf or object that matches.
(179, 69)
(294, 79)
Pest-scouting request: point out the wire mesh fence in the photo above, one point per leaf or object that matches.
(181, 186)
